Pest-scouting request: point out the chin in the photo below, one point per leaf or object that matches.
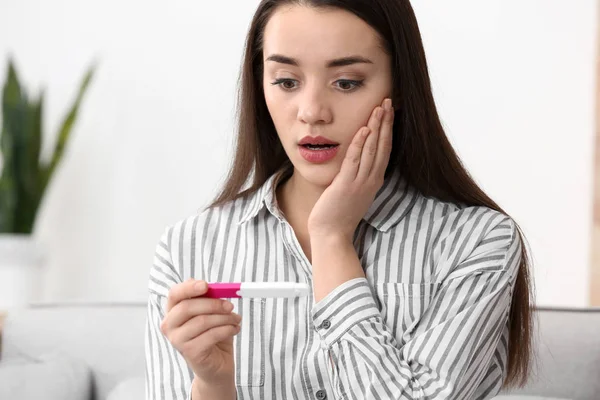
(318, 174)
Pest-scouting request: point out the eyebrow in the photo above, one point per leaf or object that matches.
(338, 62)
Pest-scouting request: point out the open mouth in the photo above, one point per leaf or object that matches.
(319, 146)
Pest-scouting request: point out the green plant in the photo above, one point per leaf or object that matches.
(24, 176)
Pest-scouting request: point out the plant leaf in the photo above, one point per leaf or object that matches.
(65, 129)
(12, 112)
(28, 167)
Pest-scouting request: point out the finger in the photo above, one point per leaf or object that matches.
(189, 308)
(384, 146)
(370, 148)
(211, 337)
(203, 323)
(351, 161)
(185, 290)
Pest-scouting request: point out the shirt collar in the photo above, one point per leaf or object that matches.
(392, 202)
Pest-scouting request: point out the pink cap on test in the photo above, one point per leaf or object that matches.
(223, 290)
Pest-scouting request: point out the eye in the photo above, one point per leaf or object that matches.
(282, 82)
(353, 84)
(346, 85)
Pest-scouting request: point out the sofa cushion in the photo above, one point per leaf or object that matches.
(132, 388)
(567, 355)
(525, 397)
(53, 376)
(97, 334)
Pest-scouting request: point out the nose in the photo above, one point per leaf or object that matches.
(314, 108)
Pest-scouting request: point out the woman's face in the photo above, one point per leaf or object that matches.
(306, 96)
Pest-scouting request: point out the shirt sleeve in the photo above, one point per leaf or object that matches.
(452, 345)
(168, 376)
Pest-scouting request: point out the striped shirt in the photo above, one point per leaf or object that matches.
(429, 321)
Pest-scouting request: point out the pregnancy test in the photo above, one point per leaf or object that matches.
(256, 289)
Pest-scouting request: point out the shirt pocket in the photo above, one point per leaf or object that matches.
(403, 305)
(248, 344)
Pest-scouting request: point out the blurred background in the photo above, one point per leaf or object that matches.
(515, 82)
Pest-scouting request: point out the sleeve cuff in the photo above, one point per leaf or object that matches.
(342, 308)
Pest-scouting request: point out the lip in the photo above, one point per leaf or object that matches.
(318, 156)
(315, 140)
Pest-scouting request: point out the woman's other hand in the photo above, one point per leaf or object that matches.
(342, 205)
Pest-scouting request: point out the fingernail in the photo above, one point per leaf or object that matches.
(200, 286)
(379, 113)
(227, 306)
(387, 104)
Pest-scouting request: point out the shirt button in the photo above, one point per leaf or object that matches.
(321, 394)
(326, 324)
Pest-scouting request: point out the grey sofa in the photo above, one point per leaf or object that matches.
(101, 347)
(105, 346)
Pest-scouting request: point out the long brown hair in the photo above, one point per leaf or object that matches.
(420, 150)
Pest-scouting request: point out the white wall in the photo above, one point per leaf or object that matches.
(514, 80)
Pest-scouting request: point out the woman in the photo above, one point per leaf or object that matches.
(420, 281)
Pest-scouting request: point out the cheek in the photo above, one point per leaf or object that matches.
(277, 112)
(355, 118)
(269, 98)
(272, 97)
(361, 112)
(273, 105)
